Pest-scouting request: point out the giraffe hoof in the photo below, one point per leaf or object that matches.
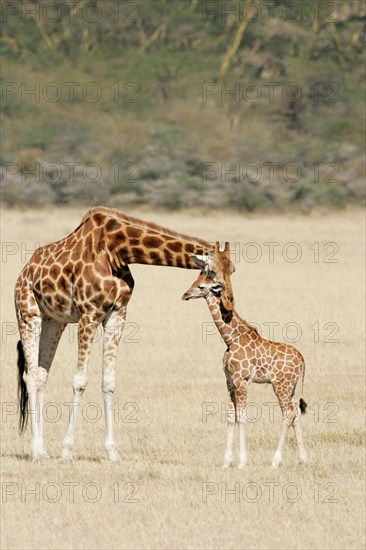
(42, 454)
(115, 459)
(276, 460)
(66, 455)
(39, 458)
(113, 455)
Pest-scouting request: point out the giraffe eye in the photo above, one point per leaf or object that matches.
(217, 288)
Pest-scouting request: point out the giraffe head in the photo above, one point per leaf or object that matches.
(216, 269)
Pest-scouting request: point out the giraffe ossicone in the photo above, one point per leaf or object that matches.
(249, 358)
(85, 279)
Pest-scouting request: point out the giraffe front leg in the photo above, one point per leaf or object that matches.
(228, 459)
(50, 336)
(86, 331)
(242, 445)
(79, 385)
(230, 419)
(241, 402)
(113, 328)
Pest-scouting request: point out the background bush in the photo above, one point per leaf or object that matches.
(153, 142)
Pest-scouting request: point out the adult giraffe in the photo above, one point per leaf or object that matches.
(85, 278)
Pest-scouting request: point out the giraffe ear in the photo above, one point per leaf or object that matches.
(200, 260)
(227, 247)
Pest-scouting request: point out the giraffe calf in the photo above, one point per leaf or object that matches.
(249, 358)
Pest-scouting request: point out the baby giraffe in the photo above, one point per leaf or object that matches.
(250, 358)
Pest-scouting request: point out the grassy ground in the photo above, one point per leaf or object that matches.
(170, 491)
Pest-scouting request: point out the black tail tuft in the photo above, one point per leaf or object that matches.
(22, 390)
(303, 406)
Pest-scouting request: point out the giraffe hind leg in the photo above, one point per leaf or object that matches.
(300, 443)
(31, 379)
(284, 392)
(298, 432)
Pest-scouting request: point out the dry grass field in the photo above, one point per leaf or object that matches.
(170, 491)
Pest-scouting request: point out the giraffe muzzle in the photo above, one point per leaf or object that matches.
(188, 296)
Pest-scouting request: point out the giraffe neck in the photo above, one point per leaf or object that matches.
(228, 323)
(129, 241)
(153, 249)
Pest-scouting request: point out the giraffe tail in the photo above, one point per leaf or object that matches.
(22, 390)
(303, 404)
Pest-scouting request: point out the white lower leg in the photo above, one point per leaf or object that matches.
(112, 333)
(278, 454)
(35, 382)
(229, 444)
(42, 376)
(300, 444)
(242, 445)
(108, 387)
(80, 381)
(34, 416)
(110, 447)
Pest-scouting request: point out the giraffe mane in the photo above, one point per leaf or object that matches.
(144, 224)
(250, 328)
